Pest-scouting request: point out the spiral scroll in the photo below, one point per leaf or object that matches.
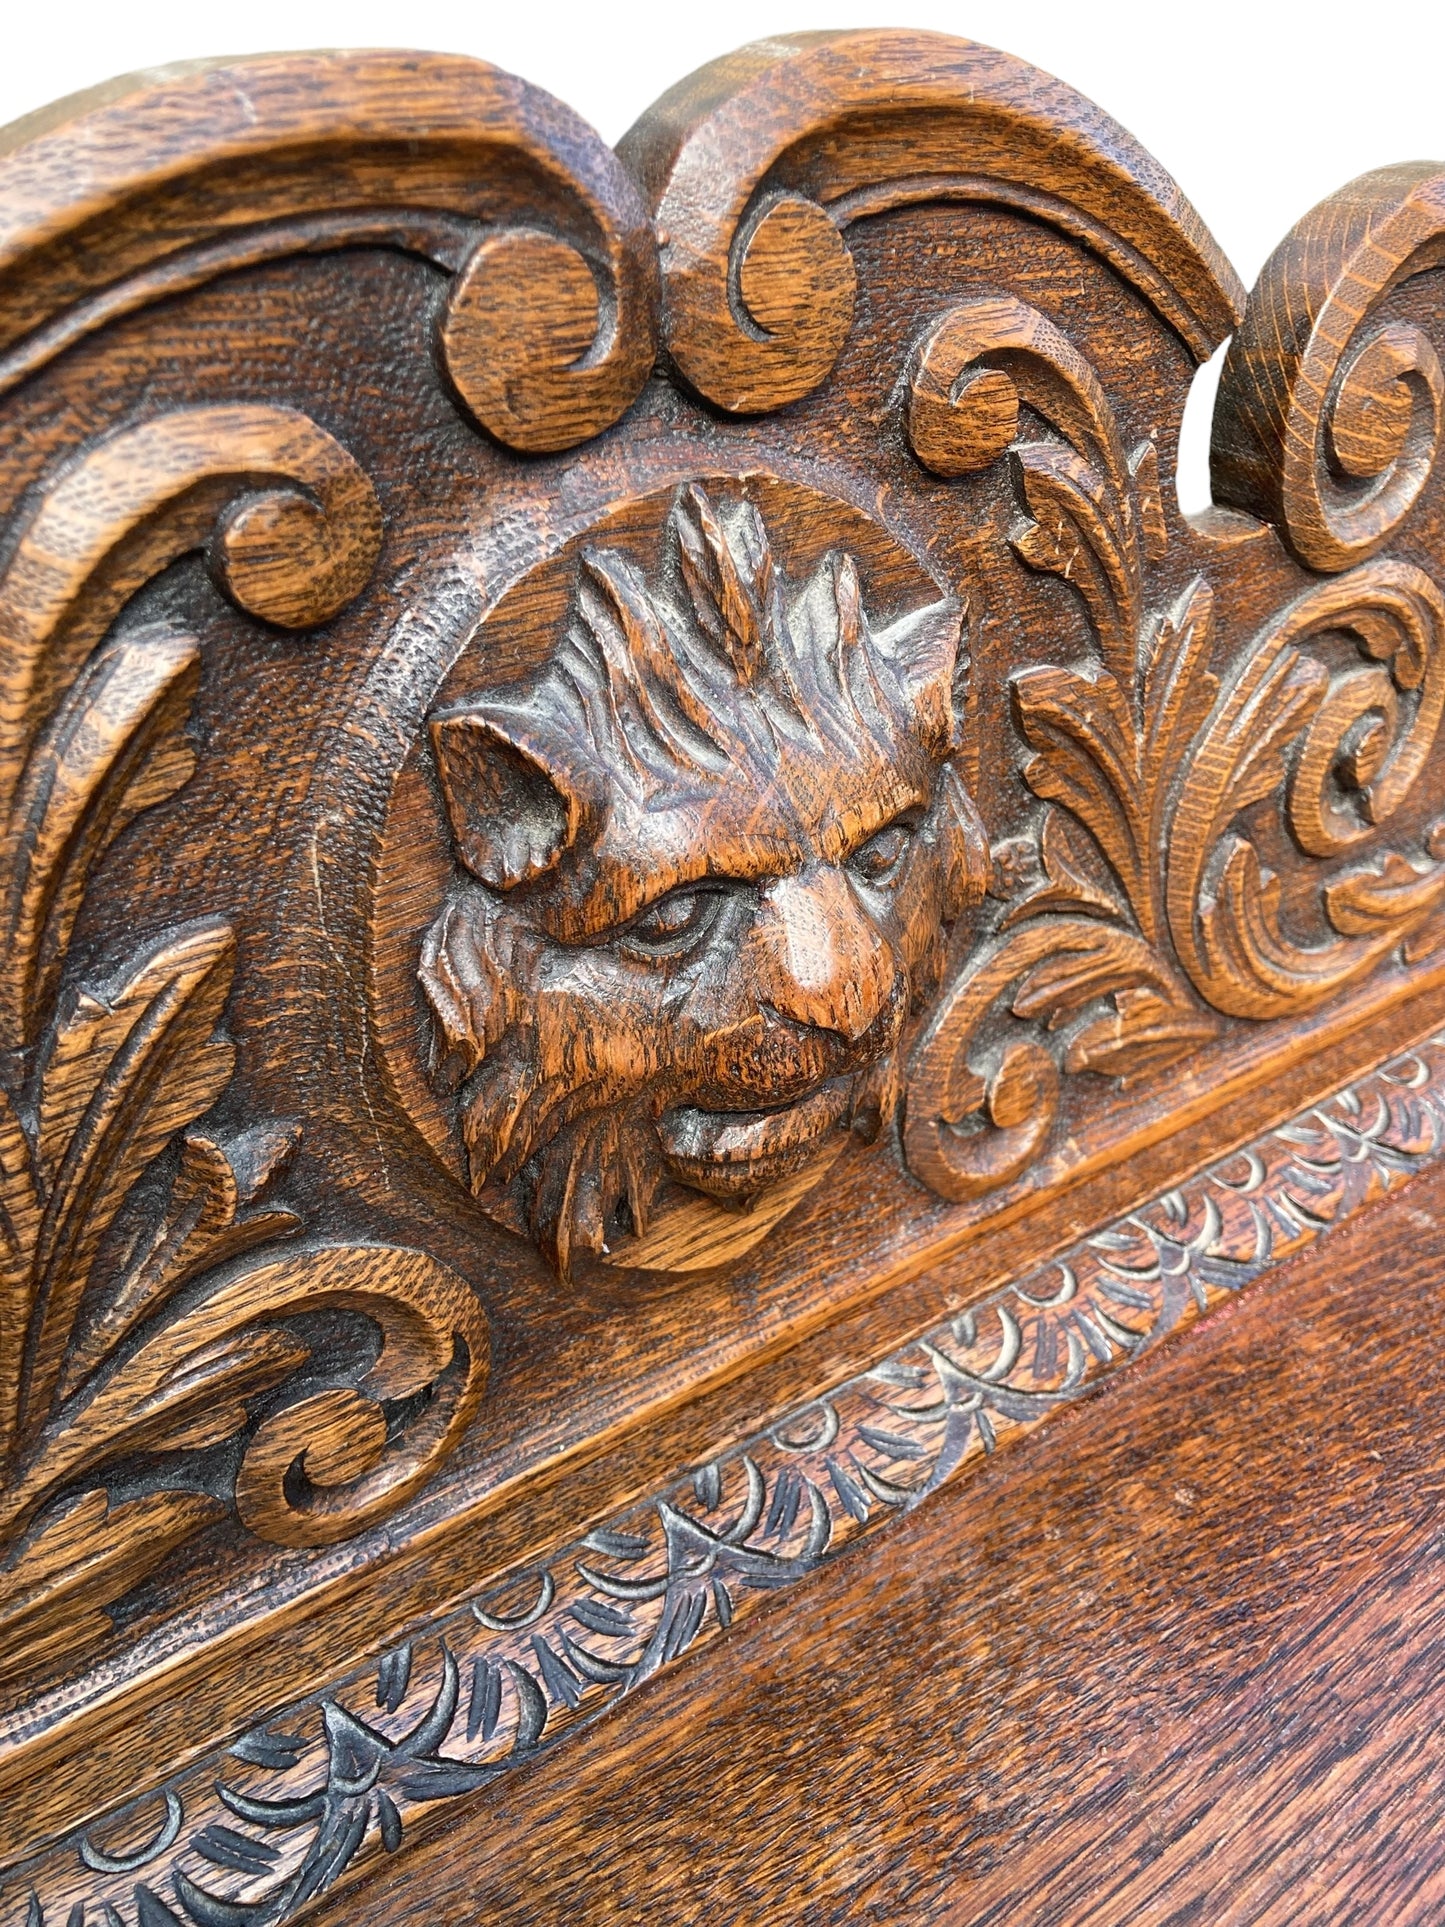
(550, 330)
(320, 1466)
(1359, 755)
(291, 523)
(1329, 413)
(756, 165)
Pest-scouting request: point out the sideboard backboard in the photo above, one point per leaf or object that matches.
(653, 897)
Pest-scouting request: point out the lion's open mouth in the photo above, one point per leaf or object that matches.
(731, 1154)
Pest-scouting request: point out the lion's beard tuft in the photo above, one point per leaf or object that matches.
(575, 1165)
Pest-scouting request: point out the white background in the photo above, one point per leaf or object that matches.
(1258, 110)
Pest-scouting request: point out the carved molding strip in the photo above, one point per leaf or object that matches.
(249, 1837)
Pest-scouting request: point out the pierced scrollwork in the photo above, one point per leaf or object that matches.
(135, 1323)
(1125, 968)
(1086, 954)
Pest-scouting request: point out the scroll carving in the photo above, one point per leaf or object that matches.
(755, 165)
(1328, 415)
(1086, 956)
(1158, 769)
(133, 1325)
(550, 327)
(150, 1297)
(1351, 769)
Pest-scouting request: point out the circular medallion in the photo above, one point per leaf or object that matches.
(669, 868)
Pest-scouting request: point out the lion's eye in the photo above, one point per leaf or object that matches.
(673, 922)
(876, 860)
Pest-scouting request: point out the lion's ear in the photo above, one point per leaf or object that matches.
(513, 807)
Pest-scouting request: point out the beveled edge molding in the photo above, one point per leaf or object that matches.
(251, 1835)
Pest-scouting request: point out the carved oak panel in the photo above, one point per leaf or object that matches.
(607, 756)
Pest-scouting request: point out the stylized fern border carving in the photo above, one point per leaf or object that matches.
(1119, 966)
(131, 1331)
(249, 1838)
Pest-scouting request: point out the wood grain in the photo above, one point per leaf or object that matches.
(622, 788)
(155, 183)
(754, 163)
(1177, 1659)
(473, 1698)
(1328, 418)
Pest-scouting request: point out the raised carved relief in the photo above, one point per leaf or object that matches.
(1083, 958)
(756, 166)
(741, 782)
(1342, 752)
(1119, 969)
(549, 326)
(134, 1333)
(715, 849)
(1329, 412)
(174, 1347)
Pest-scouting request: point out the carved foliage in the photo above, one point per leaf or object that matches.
(713, 852)
(1346, 755)
(1085, 954)
(1145, 752)
(127, 1328)
(716, 846)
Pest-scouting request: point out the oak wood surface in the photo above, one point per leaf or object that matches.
(1176, 1658)
(393, 1747)
(86, 1758)
(621, 787)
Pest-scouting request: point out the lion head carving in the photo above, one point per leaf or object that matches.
(714, 849)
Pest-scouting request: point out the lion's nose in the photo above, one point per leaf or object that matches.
(821, 959)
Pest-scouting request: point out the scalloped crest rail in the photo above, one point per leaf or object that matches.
(623, 786)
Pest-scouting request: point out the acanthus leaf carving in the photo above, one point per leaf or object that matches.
(211, 1214)
(166, 1295)
(1283, 725)
(1161, 767)
(134, 1322)
(88, 1553)
(1107, 737)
